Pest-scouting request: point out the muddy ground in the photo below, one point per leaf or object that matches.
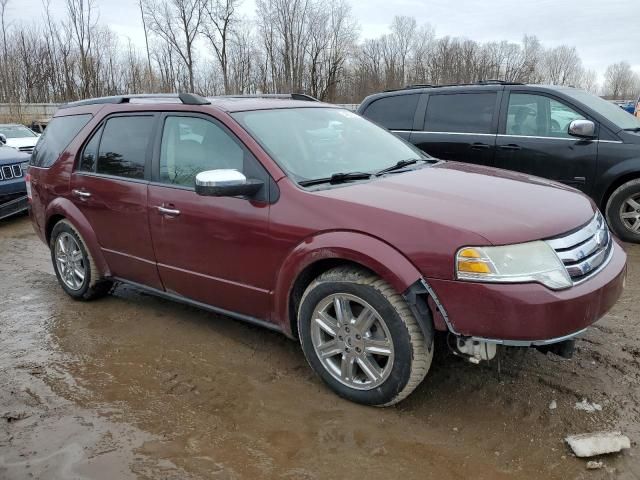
(133, 386)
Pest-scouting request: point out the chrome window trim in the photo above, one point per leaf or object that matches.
(503, 135)
(446, 133)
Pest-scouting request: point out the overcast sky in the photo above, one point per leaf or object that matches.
(603, 31)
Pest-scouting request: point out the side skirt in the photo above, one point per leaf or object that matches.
(203, 306)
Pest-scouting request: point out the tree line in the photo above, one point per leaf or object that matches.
(310, 46)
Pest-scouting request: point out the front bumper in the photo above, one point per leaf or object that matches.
(13, 206)
(530, 314)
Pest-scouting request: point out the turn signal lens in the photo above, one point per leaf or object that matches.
(473, 266)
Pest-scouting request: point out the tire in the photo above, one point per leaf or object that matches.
(90, 286)
(392, 331)
(620, 204)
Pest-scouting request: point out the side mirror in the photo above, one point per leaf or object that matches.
(3, 139)
(226, 183)
(582, 128)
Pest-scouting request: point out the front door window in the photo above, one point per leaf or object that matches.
(539, 116)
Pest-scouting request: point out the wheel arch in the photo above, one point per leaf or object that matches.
(63, 209)
(322, 252)
(618, 175)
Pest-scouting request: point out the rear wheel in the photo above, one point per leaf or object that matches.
(361, 338)
(623, 211)
(73, 264)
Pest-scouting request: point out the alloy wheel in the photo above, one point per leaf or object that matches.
(630, 213)
(352, 341)
(70, 261)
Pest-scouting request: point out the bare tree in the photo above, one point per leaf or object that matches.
(146, 44)
(177, 23)
(217, 27)
(620, 82)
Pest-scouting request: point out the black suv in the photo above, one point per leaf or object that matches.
(561, 133)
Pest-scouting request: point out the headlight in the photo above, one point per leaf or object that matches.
(523, 262)
(24, 166)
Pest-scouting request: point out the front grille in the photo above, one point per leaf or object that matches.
(7, 172)
(28, 150)
(585, 251)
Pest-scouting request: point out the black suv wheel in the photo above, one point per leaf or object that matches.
(623, 211)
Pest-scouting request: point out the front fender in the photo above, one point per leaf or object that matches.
(626, 168)
(370, 252)
(64, 207)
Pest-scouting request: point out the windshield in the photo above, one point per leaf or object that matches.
(607, 109)
(16, 131)
(312, 143)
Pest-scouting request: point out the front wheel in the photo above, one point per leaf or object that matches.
(623, 211)
(361, 338)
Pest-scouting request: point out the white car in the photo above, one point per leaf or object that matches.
(19, 137)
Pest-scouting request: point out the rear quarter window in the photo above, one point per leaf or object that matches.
(394, 112)
(56, 137)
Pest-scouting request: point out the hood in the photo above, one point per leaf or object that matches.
(11, 155)
(503, 207)
(22, 142)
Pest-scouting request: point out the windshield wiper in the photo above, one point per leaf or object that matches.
(634, 129)
(336, 178)
(402, 164)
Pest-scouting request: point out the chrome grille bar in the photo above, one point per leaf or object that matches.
(7, 172)
(586, 250)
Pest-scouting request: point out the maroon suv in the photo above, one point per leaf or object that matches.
(310, 220)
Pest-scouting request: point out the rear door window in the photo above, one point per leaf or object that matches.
(395, 112)
(461, 113)
(124, 145)
(56, 138)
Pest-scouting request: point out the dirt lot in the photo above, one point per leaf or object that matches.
(133, 386)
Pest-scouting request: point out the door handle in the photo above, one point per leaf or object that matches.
(80, 193)
(510, 146)
(479, 146)
(169, 212)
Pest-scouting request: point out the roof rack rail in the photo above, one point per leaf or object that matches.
(280, 96)
(184, 98)
(429, 85)
(493, 81)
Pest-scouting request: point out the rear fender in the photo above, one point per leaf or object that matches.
(64, 207)
(374, 254)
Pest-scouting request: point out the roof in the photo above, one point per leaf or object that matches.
(228, 103)
(236, 104)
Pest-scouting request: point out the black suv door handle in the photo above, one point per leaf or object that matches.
(479, 146)
(510, 146)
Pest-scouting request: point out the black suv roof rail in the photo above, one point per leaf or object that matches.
(184, 98)
(280, 96)
(479, 82)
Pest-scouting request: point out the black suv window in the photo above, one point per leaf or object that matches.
(56, 137)
(395, 112)
(461, 112)
(539, 115)
(123, 146)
